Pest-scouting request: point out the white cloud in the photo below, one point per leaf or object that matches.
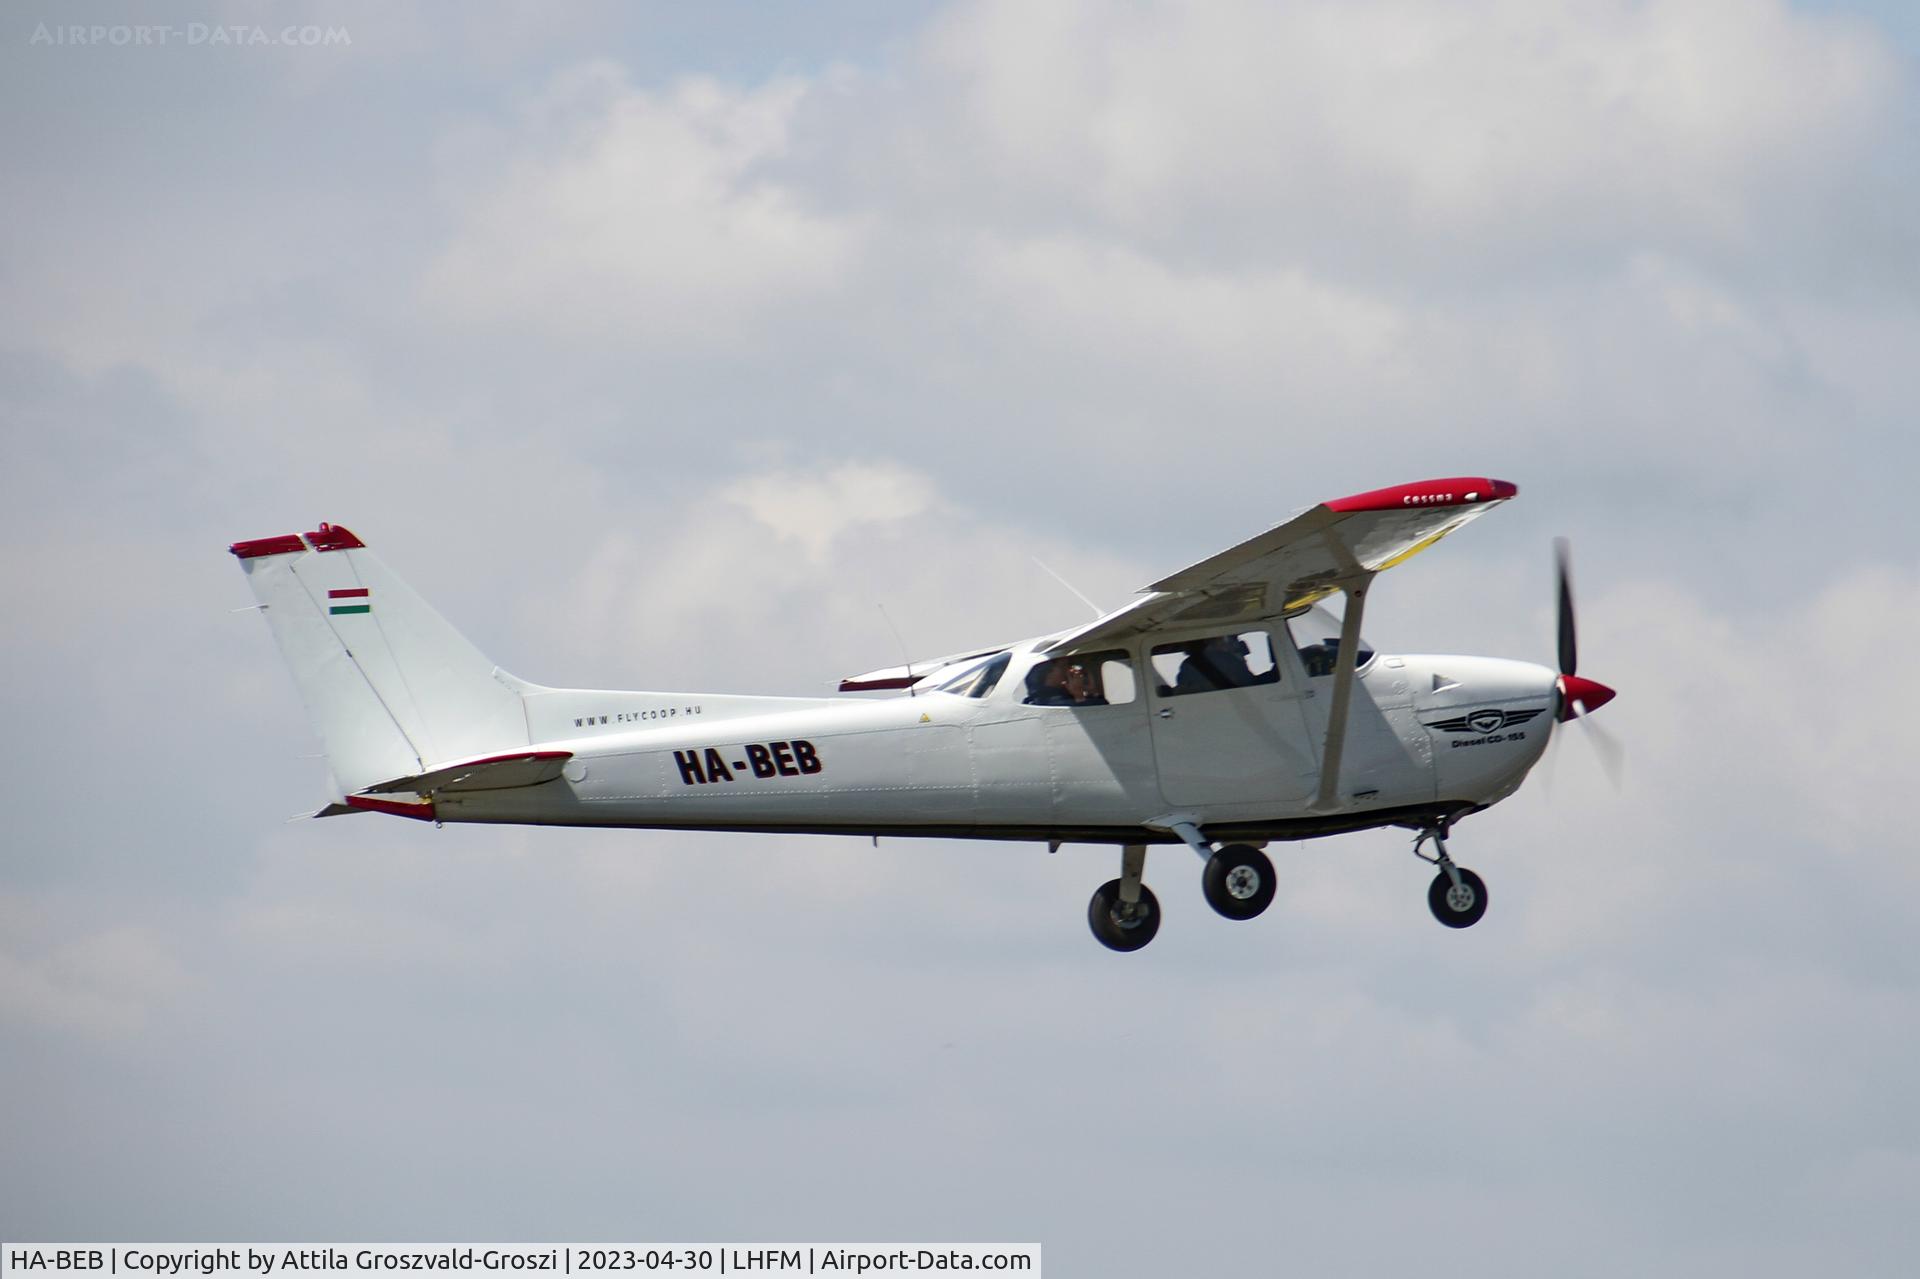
(620, 214)
(1459, 122)
(816, 510)
(106, 983)
(1111, 304)
(1725, 712)
(783, 575)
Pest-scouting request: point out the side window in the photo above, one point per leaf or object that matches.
(1320, 659)
(1316, 633)
(1214, 663)
(1082, 679)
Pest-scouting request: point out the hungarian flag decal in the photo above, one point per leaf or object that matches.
(353, 600)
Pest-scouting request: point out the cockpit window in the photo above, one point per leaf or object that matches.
(977, 679)
(1316, 633)
(1213, 663)
(1082, 679)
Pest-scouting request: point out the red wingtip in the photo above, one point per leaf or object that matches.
(1582, 696)
(1462, 490)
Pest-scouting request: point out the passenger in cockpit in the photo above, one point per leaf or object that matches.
(1219, 662)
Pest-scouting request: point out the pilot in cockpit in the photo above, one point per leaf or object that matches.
(1064, 681)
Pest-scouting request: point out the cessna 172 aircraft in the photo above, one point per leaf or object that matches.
(1220, 709)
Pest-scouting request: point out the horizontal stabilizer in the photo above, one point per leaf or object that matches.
(419, 810)
(492, 772)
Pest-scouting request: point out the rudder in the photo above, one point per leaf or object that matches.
(392, 688)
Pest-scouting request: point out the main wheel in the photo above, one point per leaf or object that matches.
(1459, 907)
(1238, 881)
(1116, 926)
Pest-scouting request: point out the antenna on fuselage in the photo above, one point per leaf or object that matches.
(1097, 610)
(903, 646)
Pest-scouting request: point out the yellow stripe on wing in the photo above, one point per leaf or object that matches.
(1416, 548)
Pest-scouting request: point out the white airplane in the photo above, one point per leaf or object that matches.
(1222, 708)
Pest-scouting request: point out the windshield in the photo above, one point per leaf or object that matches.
(1316, 633)
(976, 679)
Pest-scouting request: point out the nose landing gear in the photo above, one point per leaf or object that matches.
(1457, 897)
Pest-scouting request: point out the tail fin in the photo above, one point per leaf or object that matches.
(392, 688)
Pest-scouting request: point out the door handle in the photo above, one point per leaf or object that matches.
(1166, 713)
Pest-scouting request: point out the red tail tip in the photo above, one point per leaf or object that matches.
(331, 537)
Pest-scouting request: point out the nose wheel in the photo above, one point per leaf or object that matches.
(1457, 897)
(1457, 905)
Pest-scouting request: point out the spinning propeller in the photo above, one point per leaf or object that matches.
(1579, 697)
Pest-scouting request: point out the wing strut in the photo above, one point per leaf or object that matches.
(1356, 592)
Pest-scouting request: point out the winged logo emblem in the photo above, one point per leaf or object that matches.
(1489, 720)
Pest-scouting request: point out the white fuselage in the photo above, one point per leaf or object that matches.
(1241, 760)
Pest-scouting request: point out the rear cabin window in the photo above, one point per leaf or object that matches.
(1214, 663)
(1081, 680)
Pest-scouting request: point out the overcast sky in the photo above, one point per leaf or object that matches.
(660, 345)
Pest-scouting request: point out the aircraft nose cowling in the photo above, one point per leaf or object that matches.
(1580, 696)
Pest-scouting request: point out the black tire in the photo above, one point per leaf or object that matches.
(1116, 933)
(1451, 909)
(1239, 881)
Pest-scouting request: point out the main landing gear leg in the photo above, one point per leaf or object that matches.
(1457, 897)
(1239, 880)
(1124, 914)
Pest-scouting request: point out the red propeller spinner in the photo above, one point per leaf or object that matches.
(1582, 696)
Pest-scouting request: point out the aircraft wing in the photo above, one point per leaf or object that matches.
(1305, 559)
